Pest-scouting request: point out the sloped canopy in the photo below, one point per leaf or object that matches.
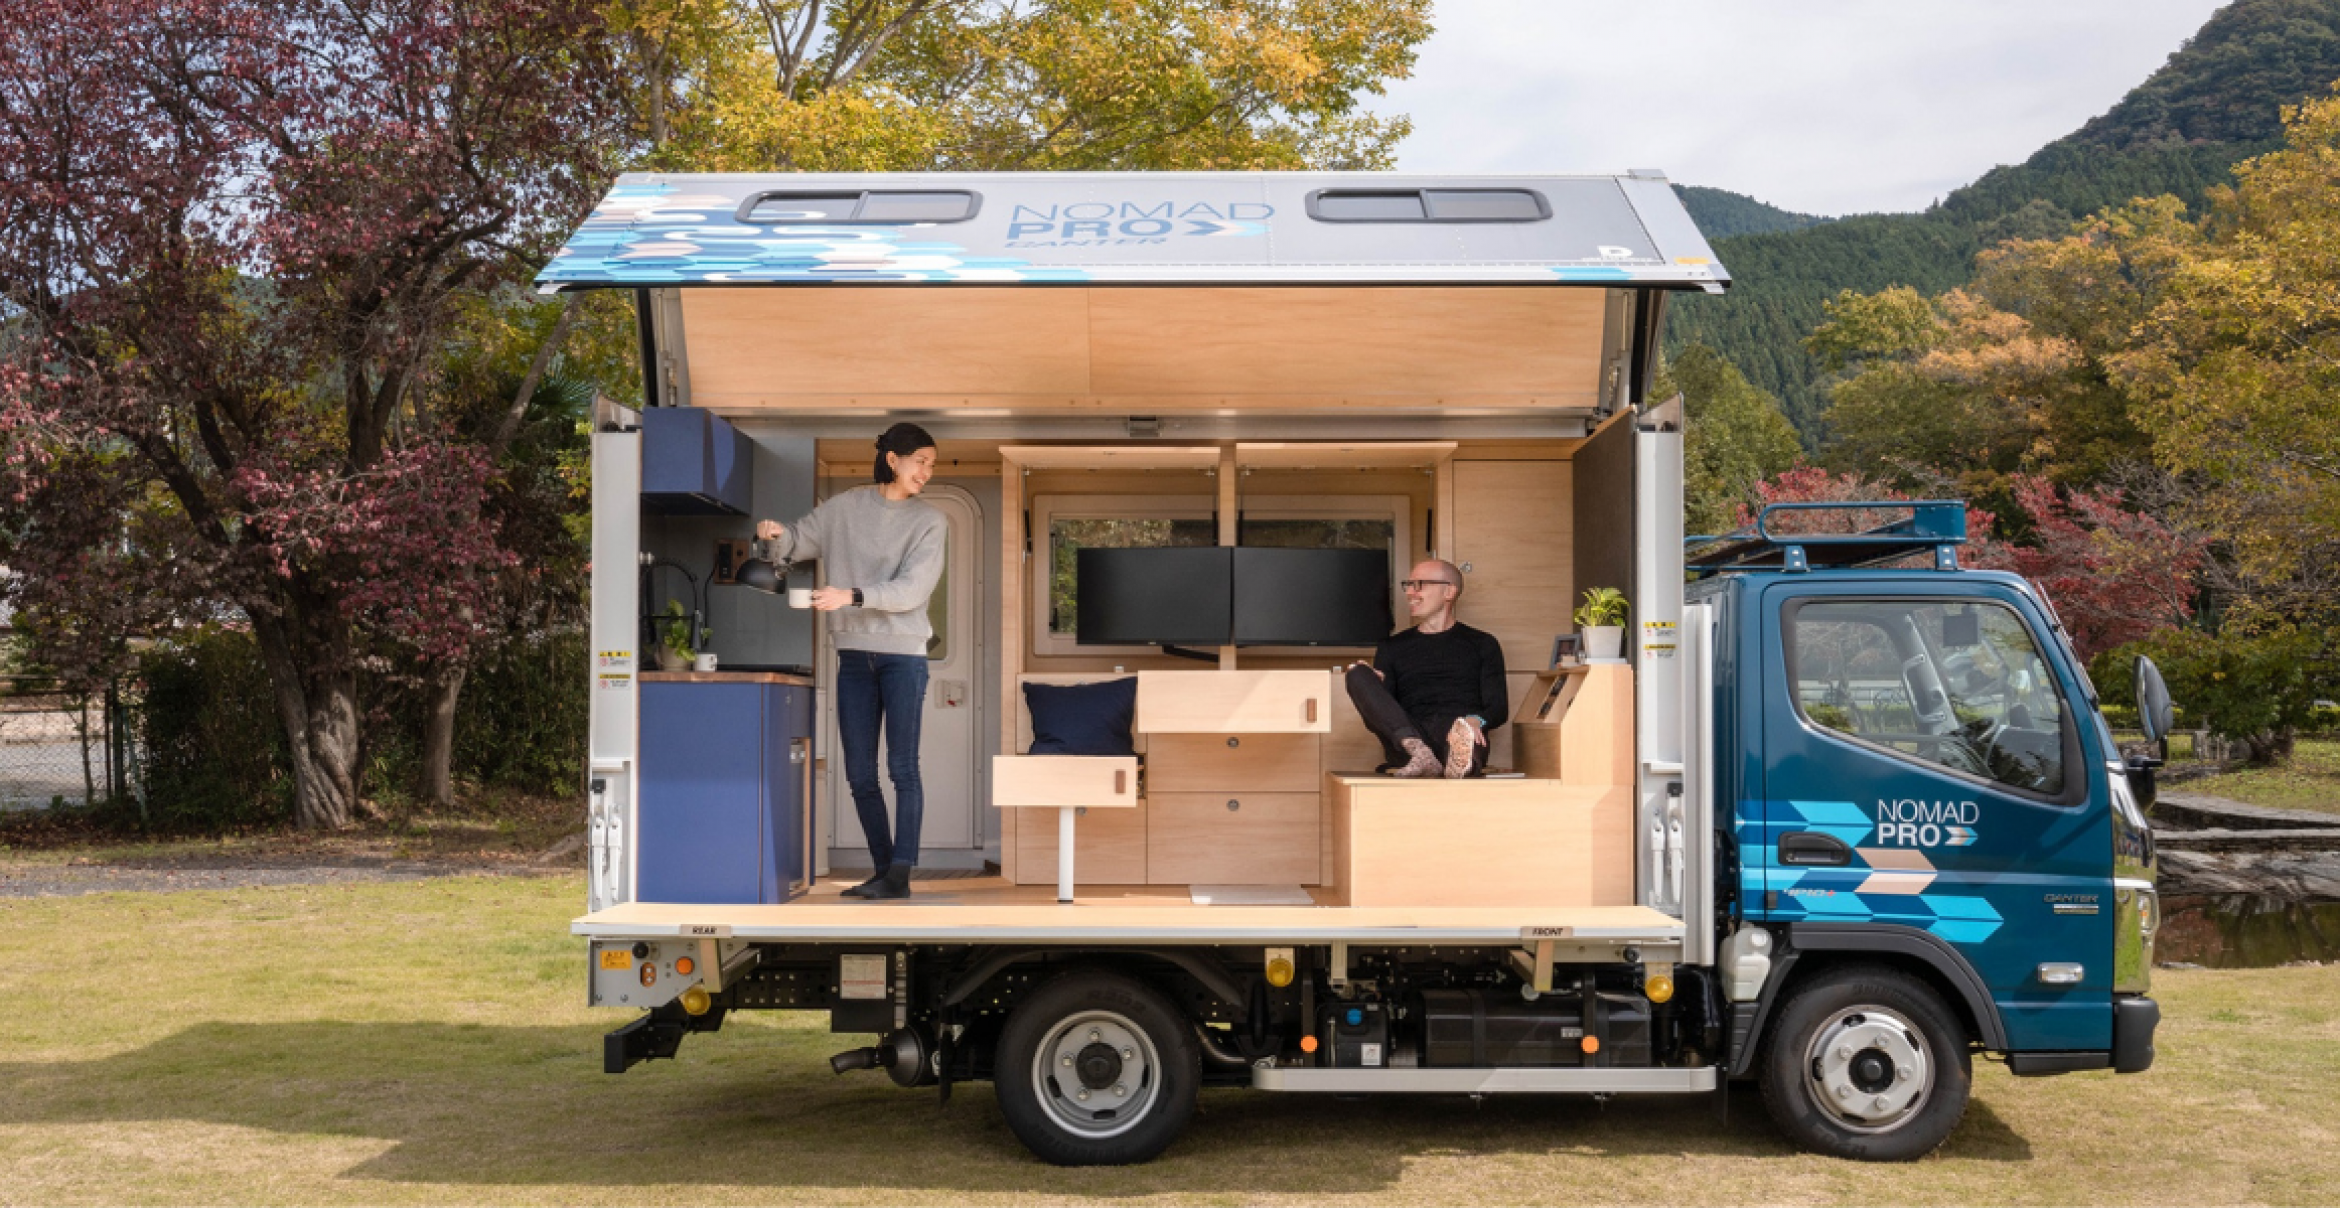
(1137, 228)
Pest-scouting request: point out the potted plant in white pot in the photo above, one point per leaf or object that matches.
(675, 649)
(1601, 619)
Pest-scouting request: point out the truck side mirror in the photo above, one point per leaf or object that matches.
(2154, 714)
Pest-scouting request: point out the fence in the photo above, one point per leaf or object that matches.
(60, 748)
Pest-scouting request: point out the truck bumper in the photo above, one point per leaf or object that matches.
(2134, 1018)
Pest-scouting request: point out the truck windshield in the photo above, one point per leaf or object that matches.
(1959, 684)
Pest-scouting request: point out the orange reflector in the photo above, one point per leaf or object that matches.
(684, 965)
(1308, 1044)
(1592, 1044)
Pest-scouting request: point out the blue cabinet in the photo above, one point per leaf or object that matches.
(694, 463)
(726, 808)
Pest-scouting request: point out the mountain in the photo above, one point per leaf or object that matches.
(2216, 101)
(1720, 212)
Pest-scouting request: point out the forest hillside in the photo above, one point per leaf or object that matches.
(2216, 101)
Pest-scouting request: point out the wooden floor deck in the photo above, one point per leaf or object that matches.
(990, 910)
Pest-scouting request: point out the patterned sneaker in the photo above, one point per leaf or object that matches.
(1460, 748)
(1423, 766)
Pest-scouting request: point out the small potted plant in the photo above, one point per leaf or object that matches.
(1601, 619)
(675, 651)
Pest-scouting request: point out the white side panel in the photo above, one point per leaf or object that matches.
(611, 734)
(1698, 637)
(1671, 853)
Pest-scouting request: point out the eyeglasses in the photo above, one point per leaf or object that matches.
(1419, 584)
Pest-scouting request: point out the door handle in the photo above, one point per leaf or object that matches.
(1810, 847)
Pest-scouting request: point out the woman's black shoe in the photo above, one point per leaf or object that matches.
(895, 884)
(863, 890)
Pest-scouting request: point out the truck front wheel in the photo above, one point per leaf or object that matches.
(1096, 1069)
(1866, 1063)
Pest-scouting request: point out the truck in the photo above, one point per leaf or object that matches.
(1841, 816)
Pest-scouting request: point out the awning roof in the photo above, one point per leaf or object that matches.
(1139, 228)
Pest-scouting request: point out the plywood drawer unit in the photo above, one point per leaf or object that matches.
(1229, 838)
(1237, 763)
(1234, 702)
(1042, 780)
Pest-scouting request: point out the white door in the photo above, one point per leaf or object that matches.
(952, 836)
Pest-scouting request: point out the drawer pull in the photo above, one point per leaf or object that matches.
(1120, 781)
(1080, 811)
(1233, 743)
(1311, 716)
(1234, 805)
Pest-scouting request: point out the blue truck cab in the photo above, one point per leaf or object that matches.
(1919, 783)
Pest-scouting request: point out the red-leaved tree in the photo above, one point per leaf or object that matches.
(232, 233)
(2114, 575)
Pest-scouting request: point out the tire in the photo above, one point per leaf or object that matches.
(1866, 1063)
(1129, 1085)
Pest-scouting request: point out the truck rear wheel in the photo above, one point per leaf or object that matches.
(1096, 1069)
(1866, 1063)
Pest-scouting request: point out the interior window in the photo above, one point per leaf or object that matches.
(1960, 684)
(1068, 535)
(1362, 533)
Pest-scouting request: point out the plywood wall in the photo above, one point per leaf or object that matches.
(1135, 351)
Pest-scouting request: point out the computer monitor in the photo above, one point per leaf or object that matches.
(1154, 597)
(1311, 597)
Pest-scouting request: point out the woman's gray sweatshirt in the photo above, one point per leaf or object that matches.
(892, 551)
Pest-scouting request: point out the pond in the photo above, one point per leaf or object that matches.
(2240, 931)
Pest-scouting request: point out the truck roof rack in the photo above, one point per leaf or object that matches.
(1938, 525)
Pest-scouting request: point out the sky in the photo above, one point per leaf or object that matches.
(1821, 106)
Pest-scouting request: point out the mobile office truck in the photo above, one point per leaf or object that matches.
(1829, 823)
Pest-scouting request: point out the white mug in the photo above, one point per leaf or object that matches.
(800, 597)
(705, 662)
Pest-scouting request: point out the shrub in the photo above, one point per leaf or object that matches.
(213, 749)
(2259, 689)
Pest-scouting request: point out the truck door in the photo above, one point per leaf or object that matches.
(1923, 769)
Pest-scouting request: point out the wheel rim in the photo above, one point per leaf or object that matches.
(1869, 1068)
(1097, 1074)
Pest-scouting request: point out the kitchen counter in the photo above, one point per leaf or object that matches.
(727, 677)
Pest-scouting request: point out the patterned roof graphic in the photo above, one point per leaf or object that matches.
(1126, 228)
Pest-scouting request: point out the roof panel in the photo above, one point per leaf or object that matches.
(1233, 228)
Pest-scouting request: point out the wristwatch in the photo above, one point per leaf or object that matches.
(857, 597)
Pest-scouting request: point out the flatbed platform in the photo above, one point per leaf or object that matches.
(989, 910)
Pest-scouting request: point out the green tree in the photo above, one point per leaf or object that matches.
(900, 85)
(1733, 437)
(2236, 368)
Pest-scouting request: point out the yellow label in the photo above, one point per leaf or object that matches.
(616, 958)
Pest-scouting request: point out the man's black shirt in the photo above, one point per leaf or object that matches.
(1438, 677)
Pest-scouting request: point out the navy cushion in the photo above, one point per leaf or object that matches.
(1082, 719)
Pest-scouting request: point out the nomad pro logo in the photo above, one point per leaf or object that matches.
(1107, 223)
(1910, 823)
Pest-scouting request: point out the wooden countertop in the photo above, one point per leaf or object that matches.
(726, 677)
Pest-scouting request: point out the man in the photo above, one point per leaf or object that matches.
(1435, 690)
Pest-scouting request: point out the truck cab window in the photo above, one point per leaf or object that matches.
(1960, 684)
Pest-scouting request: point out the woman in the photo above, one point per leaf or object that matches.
(881, 553)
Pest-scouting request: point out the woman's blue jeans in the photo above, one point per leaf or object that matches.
(883, 693)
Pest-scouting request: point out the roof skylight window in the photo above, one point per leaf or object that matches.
(867, 207)
(1428, 205)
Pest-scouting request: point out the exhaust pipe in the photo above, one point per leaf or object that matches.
(858, 1059)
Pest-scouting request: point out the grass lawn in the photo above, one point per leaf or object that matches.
(2311, 781)
(425, 1043)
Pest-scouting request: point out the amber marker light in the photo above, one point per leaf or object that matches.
(1308, 1044)
(1279, 971)
(1592, 1044)
(1659, 988)
(696, 1000)
(683, 966)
